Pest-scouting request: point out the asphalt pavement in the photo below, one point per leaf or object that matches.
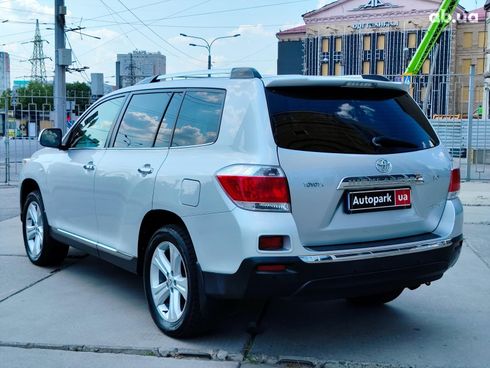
(90, 313)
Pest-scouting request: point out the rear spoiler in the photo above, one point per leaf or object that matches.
(346, 81)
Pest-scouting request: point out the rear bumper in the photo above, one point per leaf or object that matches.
(333, 279)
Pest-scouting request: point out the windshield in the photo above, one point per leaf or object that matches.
(348, 120)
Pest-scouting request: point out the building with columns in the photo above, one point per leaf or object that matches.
(349, 37)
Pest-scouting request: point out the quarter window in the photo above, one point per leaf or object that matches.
(199, 118)
(92, 132)
(141, 120)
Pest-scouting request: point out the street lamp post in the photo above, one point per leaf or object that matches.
(207, 45)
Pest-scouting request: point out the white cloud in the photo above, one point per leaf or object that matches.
(257, 30)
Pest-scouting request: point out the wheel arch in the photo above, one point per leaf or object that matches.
(28, 186)
(152, 221)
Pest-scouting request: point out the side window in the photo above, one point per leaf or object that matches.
(92, 132)
(199, 118)
(141, 120)
(168, 122)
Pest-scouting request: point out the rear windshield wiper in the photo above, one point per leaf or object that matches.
(382, 141)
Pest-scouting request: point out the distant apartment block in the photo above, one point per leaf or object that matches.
(138, 65)
(4, 71)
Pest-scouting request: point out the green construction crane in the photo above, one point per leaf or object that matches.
(443, 18)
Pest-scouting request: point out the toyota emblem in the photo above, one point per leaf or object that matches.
(383, 166)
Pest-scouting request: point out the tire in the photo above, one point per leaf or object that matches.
(376, 299)
(175, 298)
(41, 249)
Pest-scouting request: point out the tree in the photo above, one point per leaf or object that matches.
(5, 98)
(39, 96)
(80, 94)
(36, 96)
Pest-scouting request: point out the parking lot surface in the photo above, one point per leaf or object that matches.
(90, 313)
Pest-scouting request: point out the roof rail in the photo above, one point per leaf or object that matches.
(235, 73)
(375, 77)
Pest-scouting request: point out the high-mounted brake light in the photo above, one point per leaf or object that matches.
(256, 188)
(455, 183)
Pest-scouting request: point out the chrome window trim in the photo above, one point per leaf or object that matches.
(137, 149)
(193, 145)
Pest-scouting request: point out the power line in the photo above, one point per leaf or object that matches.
(156, 34)
(140, 32)
(112, 12)
(16, 33)
(232, 10)
(194, 26)
(117, 13)
(81, 68)
(189, 7)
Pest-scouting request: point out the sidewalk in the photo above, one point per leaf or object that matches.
(475, 193)
(9, 202)
(424, 328)
(475, 197)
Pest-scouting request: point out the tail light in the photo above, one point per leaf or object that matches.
(454, 184)
(256, 188)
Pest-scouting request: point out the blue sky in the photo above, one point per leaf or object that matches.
(155, 26)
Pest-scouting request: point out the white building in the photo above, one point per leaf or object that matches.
(4, 71)
(135, 66)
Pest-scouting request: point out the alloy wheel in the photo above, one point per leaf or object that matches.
(168, 281)
(34, 229)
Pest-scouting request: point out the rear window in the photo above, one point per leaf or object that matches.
(348, 120)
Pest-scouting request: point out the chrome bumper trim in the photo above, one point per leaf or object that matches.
(376, 252)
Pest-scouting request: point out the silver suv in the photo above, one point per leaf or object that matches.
(237, 186)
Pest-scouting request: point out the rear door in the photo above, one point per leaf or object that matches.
(125, 177)
(363, 164)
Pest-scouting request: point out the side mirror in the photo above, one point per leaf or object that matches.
(51, 137)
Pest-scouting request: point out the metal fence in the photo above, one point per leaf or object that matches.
(474, 158)
(445, 94)
(18, 139)
(12, 152)
(22, 117)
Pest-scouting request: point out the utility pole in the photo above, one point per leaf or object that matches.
(471, 102)
(62, 60)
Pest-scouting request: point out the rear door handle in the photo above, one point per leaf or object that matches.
(89, 166)
(145, 170)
